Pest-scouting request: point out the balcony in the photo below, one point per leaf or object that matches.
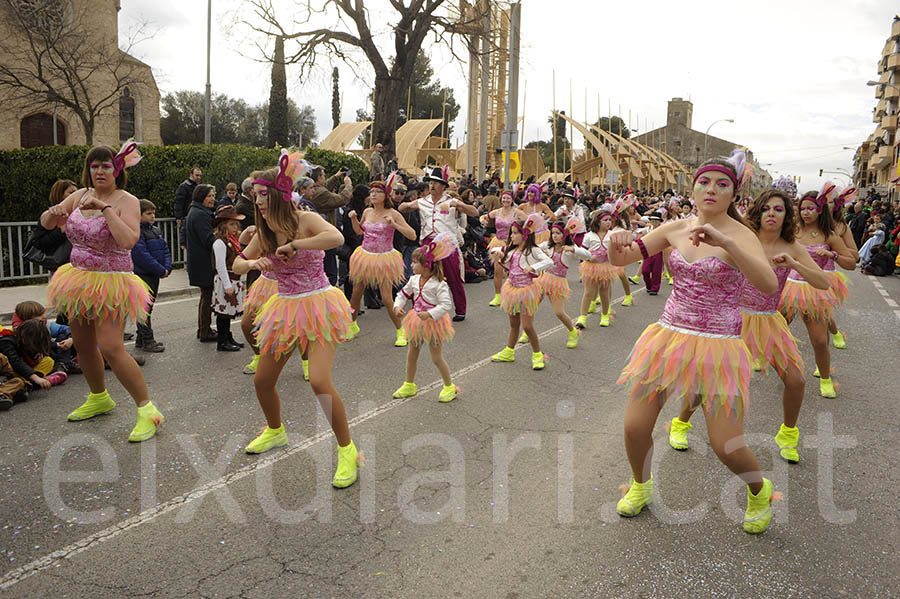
(888, 48)
(889, 123)
(893, 62)
(891, 92)
(895, 30)
(880, 110)
(880, 158)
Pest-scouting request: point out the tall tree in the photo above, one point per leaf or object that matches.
(614, 125)
(352, 34)
(51, 58)
(427, 98)
(335, 99)
(278, 103)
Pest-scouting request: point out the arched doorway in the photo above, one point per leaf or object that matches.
(37, 130)
(126, 115)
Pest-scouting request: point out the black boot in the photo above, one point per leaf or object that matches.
(234, 341)
(223, 335)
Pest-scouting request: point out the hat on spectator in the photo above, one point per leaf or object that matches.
(226, 212)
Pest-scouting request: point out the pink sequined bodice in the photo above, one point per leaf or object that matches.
(600, 254)
(93, 245)
(704, 299)
(559, 269)
(752, 299)
(304, 272)
(517, 275)
(821, 261)
(502, 226)
(378, 238)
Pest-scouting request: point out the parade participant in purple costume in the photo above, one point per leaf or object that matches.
(763, 328)
(307, 312)
(695, 354)
(97, 290)
(503, 218)
(565, 254)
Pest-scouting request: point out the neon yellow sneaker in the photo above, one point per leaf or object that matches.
(448, 393)
(670, 279)
(816, 372)
(347, 467)
(401, 341)
(572, 341)
(148, 422)
(407, 389)
(354, 331)
(628, 301)
(757, 365)
(252, 366)
(269, 438)
(94, 405)
(678, 434)
(838, 341)
(635, 279)
(507, 354)
(637, 497)
(305, 365)
(523, 338)
(788, 439)
(593, 307)
(826, 388)
(759, 508)
(604, 320)
(495, 302)
(581, 322)
(537, 360)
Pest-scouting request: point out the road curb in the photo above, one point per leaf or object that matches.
(168, 294)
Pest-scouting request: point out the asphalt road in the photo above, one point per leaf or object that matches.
(507, 492)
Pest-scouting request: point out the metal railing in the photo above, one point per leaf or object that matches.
(14, 236)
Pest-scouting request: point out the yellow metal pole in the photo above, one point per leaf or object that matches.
(555, 166)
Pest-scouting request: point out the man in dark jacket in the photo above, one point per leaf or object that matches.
(244, 204)
(152, 262)
(182, 204)
(327, 196)
(200, 238)
(858, 223)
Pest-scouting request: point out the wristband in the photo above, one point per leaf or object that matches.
(242, 256)
(834, 255)
(105, 207)
(640, 244)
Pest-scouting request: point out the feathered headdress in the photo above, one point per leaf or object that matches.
(441, 246)
(515, 189)
(738, 161)
(127, 156)
(574, 226)
(291, 166)
(445, 172)
(845, 197)
(387, 186)
(535, 223)
(827, 190)
(785, 185)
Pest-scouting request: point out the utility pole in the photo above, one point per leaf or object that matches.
(512, 106)
(208, 110)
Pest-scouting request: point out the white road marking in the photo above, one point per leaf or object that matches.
(51, 559)
(891, 303)
(884, 294)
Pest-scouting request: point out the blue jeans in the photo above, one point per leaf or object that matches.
(407, 260)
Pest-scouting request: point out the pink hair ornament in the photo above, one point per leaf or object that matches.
(291, 166)
(127, 156)
(440, 247)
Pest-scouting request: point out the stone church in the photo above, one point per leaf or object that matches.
(26, 118)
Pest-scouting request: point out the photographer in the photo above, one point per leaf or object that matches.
(326, 196)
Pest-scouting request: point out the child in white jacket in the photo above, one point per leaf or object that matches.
(429, 320)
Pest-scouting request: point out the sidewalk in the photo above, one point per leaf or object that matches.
(175, 285)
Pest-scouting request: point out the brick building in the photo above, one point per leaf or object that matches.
(691, 147)
(28, 122)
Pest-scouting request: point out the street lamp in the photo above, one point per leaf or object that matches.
(874, 83)
(706, 137)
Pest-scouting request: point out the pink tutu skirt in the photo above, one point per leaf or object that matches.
(770, 341)
(88, 295)
(520, 300)
(669, 364)
(376, 270)
(839, 286)
(285, 322)
(496, 242)
(420, 332)
(801, 298)
(260, 292)
(598, 272)
(554, 287)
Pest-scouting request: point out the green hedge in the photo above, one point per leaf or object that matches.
(27, 175)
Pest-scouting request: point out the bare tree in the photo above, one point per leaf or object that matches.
(48, 53)
(352, 34)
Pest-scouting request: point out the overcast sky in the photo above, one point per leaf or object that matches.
(792, 74)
